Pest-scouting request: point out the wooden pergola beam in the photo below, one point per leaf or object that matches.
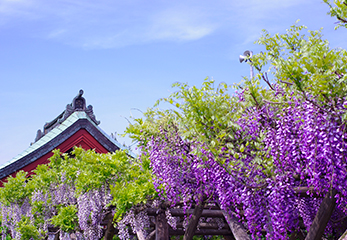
(200, 232)
(179, 212)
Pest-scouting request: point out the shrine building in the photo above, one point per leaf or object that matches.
(75, 126)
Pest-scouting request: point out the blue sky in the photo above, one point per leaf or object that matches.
(126, 54)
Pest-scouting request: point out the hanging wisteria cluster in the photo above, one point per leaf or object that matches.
(137, 222)
(12, 214)
(44, 206)
(183, 175)
(91, 208)
(274, 149)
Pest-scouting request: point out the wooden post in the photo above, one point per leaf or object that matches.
(297, 235)
(323, 216)
(109, 233)
(237, 228)
(57, 235)
(193, 222)
(161, 227)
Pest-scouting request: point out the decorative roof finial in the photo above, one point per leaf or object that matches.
(78, 104)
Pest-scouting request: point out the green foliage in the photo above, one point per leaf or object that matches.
(202, 114)
(15, 190)
(135, 187)
(44, 176)
(66, 219)
(27, 229)
(85, 171)
(208, 116)
(128, 179)
(304, 62)
(143, 129)
(338, 9)
(89, 170)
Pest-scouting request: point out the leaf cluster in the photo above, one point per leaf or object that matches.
(66, 219)
(306, 63)
(338, 9)
(16, 189)
(27, 229)
(206, 115)
(135, 188)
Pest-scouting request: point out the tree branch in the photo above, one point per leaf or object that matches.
(267, 81)
(343, 236)
(110, 227)
(140, 235)
(161, 227)
(270, 102)
(288, 83)
(341, 19)
(323, 216)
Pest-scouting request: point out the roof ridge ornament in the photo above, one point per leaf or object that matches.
(78, 105)
(89, 111)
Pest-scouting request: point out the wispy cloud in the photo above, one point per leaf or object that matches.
(14, 9)
(112, 24)
(108, 24)
(159, 25)
(180, 24)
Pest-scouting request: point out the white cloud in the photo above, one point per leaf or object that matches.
(112, 24)
(115, 26)
(109, 24)
(13, 9)
(180, 25)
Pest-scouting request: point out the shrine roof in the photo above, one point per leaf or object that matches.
(76, 116)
